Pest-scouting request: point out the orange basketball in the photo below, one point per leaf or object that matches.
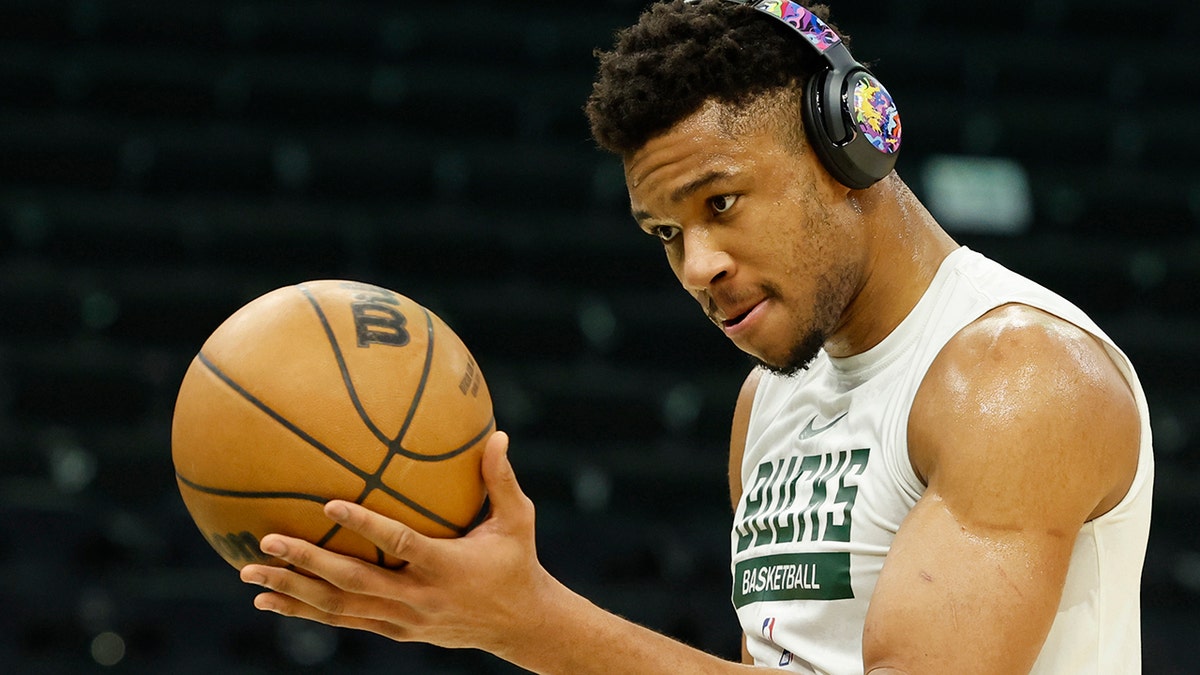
(323, 390)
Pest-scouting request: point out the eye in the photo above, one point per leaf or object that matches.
(721, 203)
(664, 232)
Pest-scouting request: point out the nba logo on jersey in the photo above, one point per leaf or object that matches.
(768, 631)
(768, 628)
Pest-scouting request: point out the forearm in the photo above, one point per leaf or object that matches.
(578, 638)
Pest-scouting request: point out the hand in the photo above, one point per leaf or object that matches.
(481, 590)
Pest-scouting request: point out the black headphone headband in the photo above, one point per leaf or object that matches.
(849, 117)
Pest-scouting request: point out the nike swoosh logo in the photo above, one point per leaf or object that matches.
(810, 431)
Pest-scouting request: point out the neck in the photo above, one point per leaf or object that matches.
(904, 248)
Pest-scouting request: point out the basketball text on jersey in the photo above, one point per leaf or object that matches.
(798, 499)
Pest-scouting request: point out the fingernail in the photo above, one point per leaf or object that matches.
(254, 578)
(273, 547)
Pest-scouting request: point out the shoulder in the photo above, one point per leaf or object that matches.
(1023, 397)
(740, 427)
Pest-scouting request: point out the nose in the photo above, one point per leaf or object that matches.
(704, 260)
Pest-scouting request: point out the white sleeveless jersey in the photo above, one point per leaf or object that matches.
(827, 481)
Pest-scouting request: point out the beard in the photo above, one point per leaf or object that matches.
(804, 351)
(834, 292)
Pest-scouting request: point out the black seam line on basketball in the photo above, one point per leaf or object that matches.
(249, 494)
(328, 535)
(253, 494)
(416, 400)
(399, 450)
(378, 484)
(323, 449)
(394, 446)
(341, 361)
(484, 511)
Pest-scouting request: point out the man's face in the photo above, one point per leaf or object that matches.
(754, 229)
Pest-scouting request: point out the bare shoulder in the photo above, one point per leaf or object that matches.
(1017, 402)
(1023, 430)
(737, 437)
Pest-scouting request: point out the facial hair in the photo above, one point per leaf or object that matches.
(834, 292)
(803, 353)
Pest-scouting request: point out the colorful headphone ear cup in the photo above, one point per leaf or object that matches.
(874, 113)
(850, 119)
(860, 154)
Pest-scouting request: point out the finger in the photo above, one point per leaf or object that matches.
(344, 572)
(291, 590)
(280, 602)
(295, 587)
(508, 501)
(391, 536)
(286, 605)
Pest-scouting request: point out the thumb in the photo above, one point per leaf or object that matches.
(504, 492)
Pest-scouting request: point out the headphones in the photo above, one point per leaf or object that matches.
(850, 118)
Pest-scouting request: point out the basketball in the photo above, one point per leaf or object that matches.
(330, 390)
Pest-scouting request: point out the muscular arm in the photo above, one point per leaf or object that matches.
(1023, 430)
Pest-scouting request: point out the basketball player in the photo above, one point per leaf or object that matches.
(938, 467)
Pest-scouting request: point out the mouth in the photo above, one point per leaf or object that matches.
(730, 323)
(738, 322)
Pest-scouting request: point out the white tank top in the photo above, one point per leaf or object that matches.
(827, 480)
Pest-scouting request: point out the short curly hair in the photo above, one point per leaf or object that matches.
(679, 56)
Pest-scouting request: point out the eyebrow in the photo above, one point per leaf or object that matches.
(688, 189)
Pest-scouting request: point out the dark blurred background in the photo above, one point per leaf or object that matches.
(161, 164)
